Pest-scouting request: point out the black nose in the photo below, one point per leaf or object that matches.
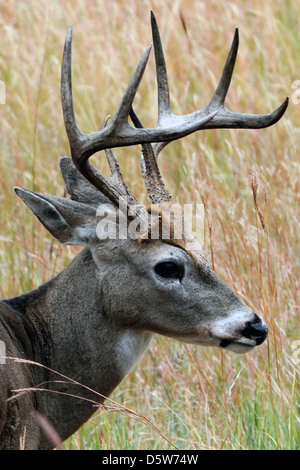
(256, 330)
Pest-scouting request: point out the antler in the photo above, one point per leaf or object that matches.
(119, 132)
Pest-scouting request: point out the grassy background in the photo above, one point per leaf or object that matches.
(184, 396)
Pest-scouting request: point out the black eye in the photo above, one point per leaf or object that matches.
(169, 269)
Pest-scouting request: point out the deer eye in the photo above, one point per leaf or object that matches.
(169, 270)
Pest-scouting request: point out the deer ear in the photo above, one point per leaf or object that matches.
(78, 187)
(71, 222)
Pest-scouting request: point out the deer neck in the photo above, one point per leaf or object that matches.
(73, 336)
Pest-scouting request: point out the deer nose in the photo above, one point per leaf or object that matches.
(256, 330)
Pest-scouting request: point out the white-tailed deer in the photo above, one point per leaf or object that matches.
(94, 320)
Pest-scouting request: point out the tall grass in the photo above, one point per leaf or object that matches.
(249, 181)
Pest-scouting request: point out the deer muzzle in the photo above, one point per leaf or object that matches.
(240, 336)
(256, 331)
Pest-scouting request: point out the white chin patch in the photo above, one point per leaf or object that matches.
(239, 347)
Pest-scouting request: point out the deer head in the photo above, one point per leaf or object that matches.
(162, 285)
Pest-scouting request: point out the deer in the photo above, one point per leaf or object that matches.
(72, 340)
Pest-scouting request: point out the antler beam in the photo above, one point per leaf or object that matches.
(119, 133)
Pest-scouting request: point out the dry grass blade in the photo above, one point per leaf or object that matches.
(114, 406)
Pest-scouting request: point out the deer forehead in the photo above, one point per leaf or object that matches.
(171, 226)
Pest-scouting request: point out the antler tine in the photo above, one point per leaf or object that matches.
(172, 126)
(220, 94)
(73, 132)
(228, 119)
(222, 117)
(121, 116)
(118, 133)
(82, 145)
(113, 163)
(114, 188)
(150, 172)
(164, 107)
